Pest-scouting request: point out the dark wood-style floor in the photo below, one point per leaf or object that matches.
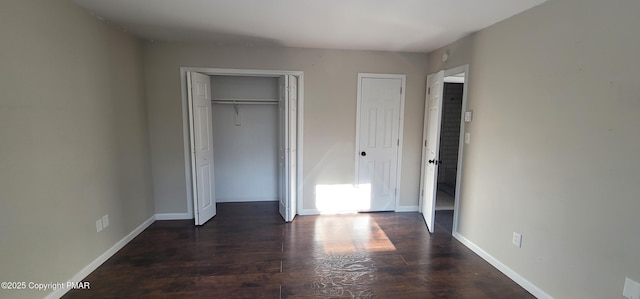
(248, 252)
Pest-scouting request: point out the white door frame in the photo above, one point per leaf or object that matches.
(403, 78)
(236, 72)
(456, 205)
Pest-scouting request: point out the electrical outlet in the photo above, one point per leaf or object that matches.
(467, 138)
(99, 225)
(517, 240)
(631, 289)
(105, 221)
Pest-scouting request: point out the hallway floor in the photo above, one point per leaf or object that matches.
(248, 252)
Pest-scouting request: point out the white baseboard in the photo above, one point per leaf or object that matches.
(308, 212)
(245, 199)
(407, 208)
(517, 278)
(102, 258)
(173, 216)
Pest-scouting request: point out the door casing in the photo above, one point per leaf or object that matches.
(458, 188)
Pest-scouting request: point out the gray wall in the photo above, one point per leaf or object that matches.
(74, 142)
(244, 87)
(329, 111)
(245, 156)
(554, 144)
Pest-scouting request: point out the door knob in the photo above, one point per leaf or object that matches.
(363, 154)
(431, 161)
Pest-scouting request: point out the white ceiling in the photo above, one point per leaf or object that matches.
(400, 25)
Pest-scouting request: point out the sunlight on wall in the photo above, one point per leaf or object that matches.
(343, 198)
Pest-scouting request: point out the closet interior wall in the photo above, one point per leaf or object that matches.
(245, 138)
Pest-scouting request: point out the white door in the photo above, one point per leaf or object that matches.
(288, 147)
(292, 158)
(431, 143)
(379, 104)
(199, 92)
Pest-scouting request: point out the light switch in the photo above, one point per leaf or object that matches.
(468, 116)
(517, 240)
(105, 221)
(631, 289)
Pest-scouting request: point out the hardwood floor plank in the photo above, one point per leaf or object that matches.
(305, 264)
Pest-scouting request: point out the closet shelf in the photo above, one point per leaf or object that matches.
(245, 101)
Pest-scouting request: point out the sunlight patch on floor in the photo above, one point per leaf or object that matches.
(349, 234)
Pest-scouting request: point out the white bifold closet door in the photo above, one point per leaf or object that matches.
(199, 99)
(288, 104)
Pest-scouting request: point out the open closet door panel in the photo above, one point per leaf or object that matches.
(430, 158)
(201, 138)
(282, 147)
(288, 146)
(292, 158)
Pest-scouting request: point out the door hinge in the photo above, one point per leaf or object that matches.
(400, 89)
(398, 142)
(429, 90)
(422, 192)
(425, 143)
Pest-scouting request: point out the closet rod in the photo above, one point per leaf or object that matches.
(246, 102)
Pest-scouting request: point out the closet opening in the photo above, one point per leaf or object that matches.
(243, 140)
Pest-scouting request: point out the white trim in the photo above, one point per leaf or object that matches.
(423, 146)
(407, 208)
(173, 216)
(239, 72)
(454, 71)
(300, 139)
(403, 79)
(246, 199)
(400, 140)
(452, 79)
(513, 275)
(191, 151)
(103, 257)
(309, 212)
(186, 140)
